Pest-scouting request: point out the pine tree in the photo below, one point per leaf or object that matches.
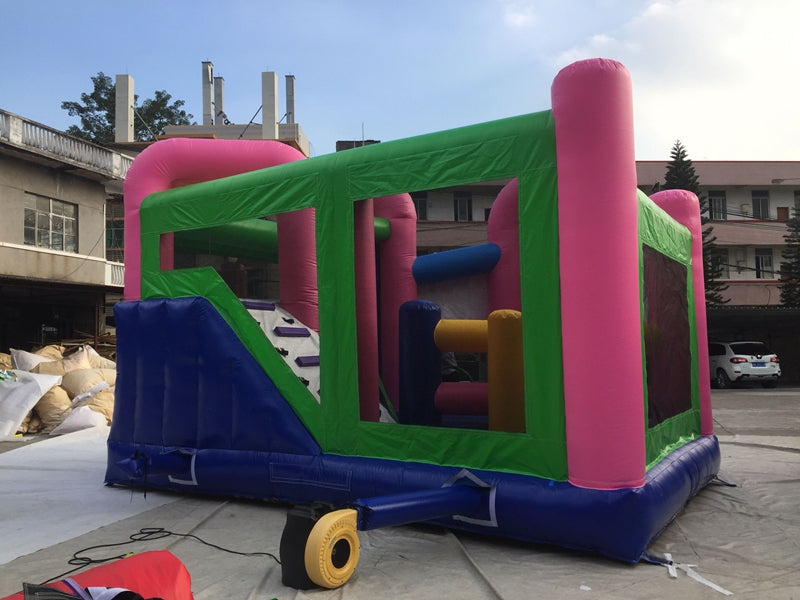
(790, 268)
(681, 175)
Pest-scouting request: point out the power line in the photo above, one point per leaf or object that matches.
(251, 121)
(146, 126)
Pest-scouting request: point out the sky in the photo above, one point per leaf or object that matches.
(721, 76)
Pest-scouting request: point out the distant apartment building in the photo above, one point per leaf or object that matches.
(749, 203)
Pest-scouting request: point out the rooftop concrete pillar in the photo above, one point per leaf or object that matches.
(208, 93)
(269, 105)
(290, 99)
(123, 105)
(219, 100)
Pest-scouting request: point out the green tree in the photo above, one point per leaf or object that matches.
(681, 175)
(96, 111)
(790, 268)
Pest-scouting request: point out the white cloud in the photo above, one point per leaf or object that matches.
(518, 13)
(719, 75)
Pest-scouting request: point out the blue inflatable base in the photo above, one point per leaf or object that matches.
(196, 413)
(617, 523)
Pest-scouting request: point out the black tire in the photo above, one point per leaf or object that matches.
(723, 381)
(769, 384)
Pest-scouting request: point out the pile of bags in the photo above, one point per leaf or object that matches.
(49, 392)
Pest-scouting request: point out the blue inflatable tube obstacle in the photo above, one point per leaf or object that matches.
(453, 264)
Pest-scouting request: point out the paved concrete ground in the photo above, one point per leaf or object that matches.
(743, 540)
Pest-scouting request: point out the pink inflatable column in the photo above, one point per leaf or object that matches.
(503, 230)
(366, 310)
(397, 254)
(599, 267)
(297, 265)
(684, 207)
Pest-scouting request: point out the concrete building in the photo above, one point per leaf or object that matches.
(749, 203)
(59, 267)
(61, 231)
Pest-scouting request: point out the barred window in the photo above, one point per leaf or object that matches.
(764, 264)
(718, 204)
(760, 204)
(462, 206)
(721, 259)
(115, 230)
(50, 223)
(421, 205)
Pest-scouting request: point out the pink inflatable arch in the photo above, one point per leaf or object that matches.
(181, 161)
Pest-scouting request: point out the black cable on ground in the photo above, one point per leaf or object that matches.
(145, 534)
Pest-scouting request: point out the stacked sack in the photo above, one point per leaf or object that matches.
(83, 396)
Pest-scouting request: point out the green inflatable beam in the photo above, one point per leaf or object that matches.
(255, 238)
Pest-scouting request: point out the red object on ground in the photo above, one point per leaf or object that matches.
(156, 574)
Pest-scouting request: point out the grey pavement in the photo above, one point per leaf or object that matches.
(742, 541)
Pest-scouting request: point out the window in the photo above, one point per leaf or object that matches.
(721, 258)
(718, 205)
(462, 206)
(421, 205)
(796, 201)
(750, 348)
(115, 229)
(760, 204)
(764, 264)
(50, 223)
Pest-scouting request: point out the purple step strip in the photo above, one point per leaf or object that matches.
(307, 361)
(258, 305)
(292, 332)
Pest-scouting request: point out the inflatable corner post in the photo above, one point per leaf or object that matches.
(279, 337)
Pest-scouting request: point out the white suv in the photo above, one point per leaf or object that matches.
(742, 361)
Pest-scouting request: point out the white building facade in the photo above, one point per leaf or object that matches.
(749, 203)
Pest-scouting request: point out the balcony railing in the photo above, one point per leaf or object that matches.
(35, 137)
(115, 274)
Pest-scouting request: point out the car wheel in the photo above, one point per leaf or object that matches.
(769, 384)
(723, 381)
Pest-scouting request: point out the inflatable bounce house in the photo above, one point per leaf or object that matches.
(315, 379)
